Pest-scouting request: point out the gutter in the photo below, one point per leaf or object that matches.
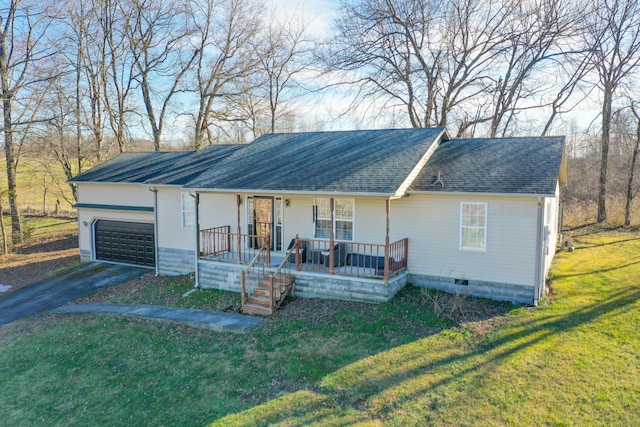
(289, 192)
(477, 193)
(539, 249)
(155, 225)
(196, 196)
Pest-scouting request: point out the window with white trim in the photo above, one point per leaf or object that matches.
(188, 211)
(343, 214)
(473, 226)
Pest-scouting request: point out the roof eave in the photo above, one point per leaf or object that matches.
(479, 193)
(289, 192)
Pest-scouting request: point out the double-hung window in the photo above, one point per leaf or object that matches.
(188, 211)
(473, 226)
(343, 214)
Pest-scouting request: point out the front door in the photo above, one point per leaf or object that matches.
(263, 218)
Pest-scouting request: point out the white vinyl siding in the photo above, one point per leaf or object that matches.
(473, 226)
(188, 210)
(171, 234)
(115, 194)
(432, 224)
(217, 210)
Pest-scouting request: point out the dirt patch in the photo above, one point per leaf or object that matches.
(132, 286)
(35, 262)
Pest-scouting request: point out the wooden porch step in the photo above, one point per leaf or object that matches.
(276, 286)
(250, 308)
(259, 300)
(265, 292)
(282, 280)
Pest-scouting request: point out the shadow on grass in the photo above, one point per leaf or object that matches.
(601, 270)
(401, 375)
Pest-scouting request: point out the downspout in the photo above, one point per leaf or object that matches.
(155, 226)
(539, 241)
(197, 228)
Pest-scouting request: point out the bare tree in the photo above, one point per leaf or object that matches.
(613, 33)
(534, 39)
(451, 62)
(23, 45)
(158, 34)
(575, 71)
(283, 54)
(56, 137)
(84, 49)
(119, 69)
(223, 30)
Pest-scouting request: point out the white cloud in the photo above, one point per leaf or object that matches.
(318, 14)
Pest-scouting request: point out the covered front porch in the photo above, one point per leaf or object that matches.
(328, 268)
(370, 260)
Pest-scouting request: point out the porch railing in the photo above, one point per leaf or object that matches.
(352, 258)
(253, 274)
(347, 258)
(221, 244)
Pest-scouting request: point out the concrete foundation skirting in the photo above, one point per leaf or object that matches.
(85, 255)
(226, 276)
(496, 291)
(175, 262)
(220, 275)
(315, 285)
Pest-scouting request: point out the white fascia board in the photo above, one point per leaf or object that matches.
(471, 193)
(402, 190)
(288, 193)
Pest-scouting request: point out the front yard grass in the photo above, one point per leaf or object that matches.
(575, 360)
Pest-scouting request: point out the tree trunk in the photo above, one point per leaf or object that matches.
(3, 232)
(16, 229)
(604, 159)
(630, 176)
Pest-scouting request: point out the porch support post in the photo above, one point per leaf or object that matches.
(239, 242)
(197, 219)
(331, 236)
(298, 259)
(386, 245)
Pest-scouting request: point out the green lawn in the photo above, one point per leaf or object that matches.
(575, 360)
(37, 228)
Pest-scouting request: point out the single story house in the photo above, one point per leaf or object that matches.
(346, 214)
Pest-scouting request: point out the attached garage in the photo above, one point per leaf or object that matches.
(125, 242)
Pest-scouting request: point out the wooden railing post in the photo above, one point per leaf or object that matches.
(268, 249)
(298, 258)
(238, 202)
(406, 253)
(271, 294)
(331, 236)
(242, 293)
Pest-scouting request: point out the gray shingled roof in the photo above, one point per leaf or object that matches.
(170, 168)
(364, 161)
(190, 167)
(528, 165)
